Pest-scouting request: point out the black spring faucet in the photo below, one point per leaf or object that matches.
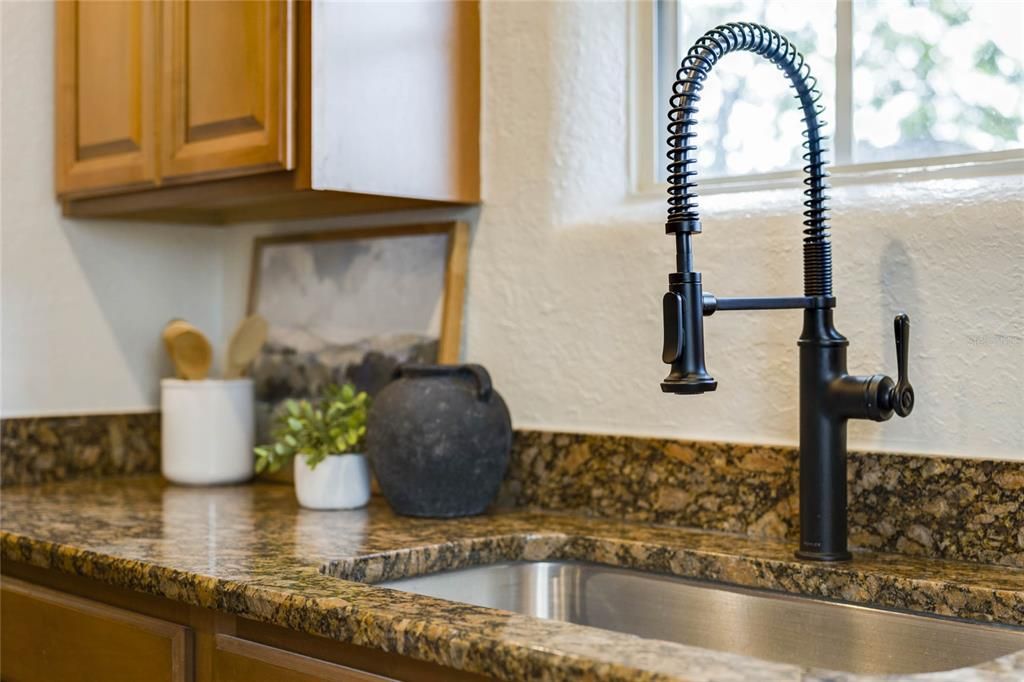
(829, 396)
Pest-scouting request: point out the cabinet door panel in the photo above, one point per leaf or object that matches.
(48, 635)
(106, 85)
(227, 83)
(237, 659)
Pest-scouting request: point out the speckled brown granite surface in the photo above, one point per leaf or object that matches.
(250, 551)
(944, 507)
(37, 449)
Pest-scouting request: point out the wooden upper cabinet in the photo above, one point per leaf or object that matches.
(220, 111)
(106, 77)
(227, 79)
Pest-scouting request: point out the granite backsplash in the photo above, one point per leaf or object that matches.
(41, 449)
(944, 507)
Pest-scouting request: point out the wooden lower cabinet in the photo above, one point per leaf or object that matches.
(240, 659)
(51, 635)
(59, 627)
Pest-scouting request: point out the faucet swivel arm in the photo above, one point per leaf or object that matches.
(829, 396)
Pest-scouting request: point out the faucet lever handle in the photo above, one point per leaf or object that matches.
(902, 395)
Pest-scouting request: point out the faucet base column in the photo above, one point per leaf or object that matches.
(823, 556)
(823, 522)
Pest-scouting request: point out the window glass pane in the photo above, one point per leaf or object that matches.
(936, 77)
(749, 119)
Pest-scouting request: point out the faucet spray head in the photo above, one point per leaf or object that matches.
(683, 310)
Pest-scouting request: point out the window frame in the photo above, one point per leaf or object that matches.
(648, 118)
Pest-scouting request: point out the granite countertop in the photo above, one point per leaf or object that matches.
(249, 550)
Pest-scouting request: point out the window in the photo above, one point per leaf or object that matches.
(906, 84)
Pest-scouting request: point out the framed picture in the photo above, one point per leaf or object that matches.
(351, 305)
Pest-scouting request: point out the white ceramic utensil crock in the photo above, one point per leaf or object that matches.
(207, 431)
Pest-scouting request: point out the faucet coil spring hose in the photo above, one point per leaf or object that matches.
(683, 216)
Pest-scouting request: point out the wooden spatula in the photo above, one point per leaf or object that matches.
(245, 345)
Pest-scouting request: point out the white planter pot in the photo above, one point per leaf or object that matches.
(338, 482)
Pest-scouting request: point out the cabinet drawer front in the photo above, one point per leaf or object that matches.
(227, 84)
(105, 91)
(239, 660)
(48, 635)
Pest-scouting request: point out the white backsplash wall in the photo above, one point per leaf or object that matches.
(567, 272)
(83, 302)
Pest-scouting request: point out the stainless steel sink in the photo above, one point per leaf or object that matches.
(765, 625)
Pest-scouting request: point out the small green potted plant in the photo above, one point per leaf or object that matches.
(325, 440)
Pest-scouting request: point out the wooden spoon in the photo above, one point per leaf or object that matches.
(245, 345)
(192, 353)
(172, 329)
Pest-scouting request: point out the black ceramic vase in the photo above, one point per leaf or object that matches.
(439, 439)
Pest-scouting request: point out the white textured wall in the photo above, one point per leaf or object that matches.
(567, 272)
(83, 302)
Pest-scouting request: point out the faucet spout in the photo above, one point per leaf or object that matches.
(683, 214)
(689, 374)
